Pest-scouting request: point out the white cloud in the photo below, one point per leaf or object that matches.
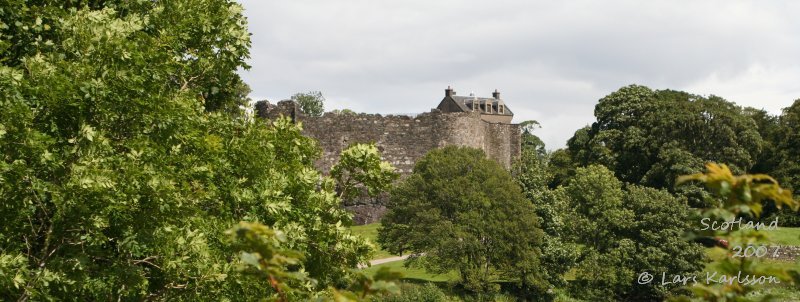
(769, 88)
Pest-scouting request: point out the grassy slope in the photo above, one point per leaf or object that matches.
(784, 236)
(414, 274)
(370, 231)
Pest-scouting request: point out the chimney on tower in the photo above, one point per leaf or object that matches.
(496, 94)
(449, 92)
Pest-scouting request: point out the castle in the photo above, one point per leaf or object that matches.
(482, 123)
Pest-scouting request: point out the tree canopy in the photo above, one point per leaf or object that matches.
(464, 212)
(650, 137)
(626, 231)
(787, 142)
(124, 157)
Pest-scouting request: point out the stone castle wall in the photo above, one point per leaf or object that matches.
(401, 139)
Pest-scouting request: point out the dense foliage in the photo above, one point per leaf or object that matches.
(605, 230)
(465, 213)
(651, 137)
(124, 156)
(361, 171)
(624, 232)
(551, 206)
(198, 44)
(529, 141)
(785, 137)
(410, 292)
(263, 253)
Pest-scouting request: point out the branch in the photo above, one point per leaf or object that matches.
(185, 85)
(147, 261)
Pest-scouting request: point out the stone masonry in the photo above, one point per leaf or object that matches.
(401, 139)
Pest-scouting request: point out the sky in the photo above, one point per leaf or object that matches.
(551, 60)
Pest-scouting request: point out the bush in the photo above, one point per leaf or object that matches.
(427, 292)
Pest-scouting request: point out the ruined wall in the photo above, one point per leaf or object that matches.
(401, 139)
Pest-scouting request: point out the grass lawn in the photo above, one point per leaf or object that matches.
(781, 236)
(784, 236)
(370, 231)
(413, 274)
(781, 293)
(717, 254)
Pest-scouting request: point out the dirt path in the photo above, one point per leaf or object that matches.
(384, 260)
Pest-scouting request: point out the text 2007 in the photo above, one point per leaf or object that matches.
(753, 251)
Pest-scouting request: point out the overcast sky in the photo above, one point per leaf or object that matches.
(551, 60)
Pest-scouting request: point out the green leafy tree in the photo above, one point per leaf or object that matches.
(781, 156)
(787, 143)
(311, 103)
(360, 167)
(464, 212)
(560, 167)
(775, 160)
(768, 127)
(121, 164)
(650, 137)
(262, 253)
(530, 169)
(530, 140)
(625, 232)
(261, 249)
(200, 43)
(558, 256)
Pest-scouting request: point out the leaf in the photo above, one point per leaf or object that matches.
(252, 259)
(19, 280)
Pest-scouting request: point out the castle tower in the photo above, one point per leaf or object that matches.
(492, 110)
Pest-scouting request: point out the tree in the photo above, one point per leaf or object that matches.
(558, 255)
(788, 146)
(261, 251)
(781, 156)
(464, 212)
(626, 231)
(768, 127)
(559, 167)
(311, 103)
(200, 43)
(530, 169)
(650, 137)
(531, 141)
(123, 160)
(360, 169)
